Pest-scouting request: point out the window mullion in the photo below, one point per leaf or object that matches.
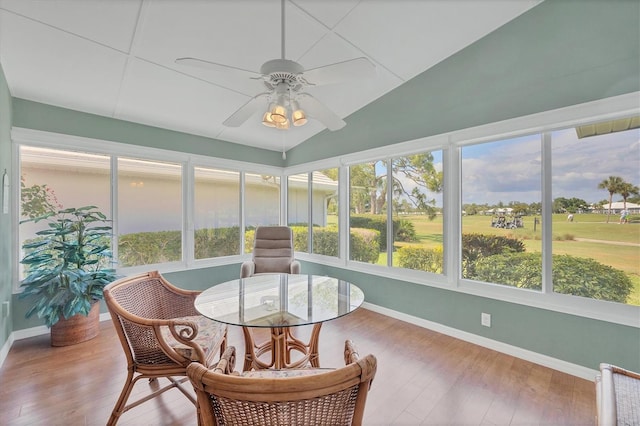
(547, 215)
(389, 212)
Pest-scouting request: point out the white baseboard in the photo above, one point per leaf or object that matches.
(527, 355)
(5, 349)
(32, 332)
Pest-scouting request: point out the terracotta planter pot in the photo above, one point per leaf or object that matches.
(77, 329)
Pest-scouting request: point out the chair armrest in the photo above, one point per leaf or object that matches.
(351, 354)
(294, 267)
(184, 331)
(247, 269)
(227, 362)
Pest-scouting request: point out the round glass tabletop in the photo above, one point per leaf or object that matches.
(279, 300)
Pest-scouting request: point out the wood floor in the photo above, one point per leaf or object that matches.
(423, 378)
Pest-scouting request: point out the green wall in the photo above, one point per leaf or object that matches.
(6, 233)
(37, 116)
(574, 339)
(558, 54)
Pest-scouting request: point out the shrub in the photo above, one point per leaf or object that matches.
(571, 275)
(405, 231)
(300, 238)
(477, 246)
(421, 259)
(145, 248)
(215, 242)
(325, 241)
(364, 245)
(373, 222)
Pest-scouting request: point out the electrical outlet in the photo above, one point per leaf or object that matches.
(485, 319)
(6, 309)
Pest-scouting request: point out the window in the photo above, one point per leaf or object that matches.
(216, 212)
(149, 212)
(417, 212)
(262, 204)
(501, 207)
(368, 212)
(52, 180)
(298, 210)
(596, 215)
(324, 212)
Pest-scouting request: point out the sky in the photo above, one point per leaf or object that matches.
(510, 170)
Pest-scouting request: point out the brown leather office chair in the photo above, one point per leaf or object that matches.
(161, 334)
(283, 397)
(272, 252)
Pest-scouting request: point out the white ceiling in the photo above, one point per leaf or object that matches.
(116, 58)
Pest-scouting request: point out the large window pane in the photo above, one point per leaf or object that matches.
(596, 249)
(501, 207)
(298, 210)
(325, 212)
(52, 180)
(368, 212)
(217, 213)
(149, 212)
(262, 204)
(417, 212)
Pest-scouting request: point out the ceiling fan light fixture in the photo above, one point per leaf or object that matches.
(279, 114)
(282, 126)
(267, 120)
(299, 118)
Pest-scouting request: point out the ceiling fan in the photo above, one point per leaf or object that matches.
(285, 101)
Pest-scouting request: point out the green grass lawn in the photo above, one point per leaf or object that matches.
(617, 245)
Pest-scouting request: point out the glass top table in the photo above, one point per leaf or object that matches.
(280, 302)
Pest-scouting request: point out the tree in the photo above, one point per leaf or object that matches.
(571, 205)
(626, 190)
(611, 184)
(368, 183)
(418, 169)
(37, 200)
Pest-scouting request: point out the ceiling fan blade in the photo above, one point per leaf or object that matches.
(247, 110)
(201, 63)
(340, 72)
(317, 110)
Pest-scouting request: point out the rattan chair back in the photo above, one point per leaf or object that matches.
(283, 397)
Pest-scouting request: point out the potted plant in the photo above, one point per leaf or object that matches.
(66, 268)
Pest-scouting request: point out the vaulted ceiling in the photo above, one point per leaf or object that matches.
(116, 58)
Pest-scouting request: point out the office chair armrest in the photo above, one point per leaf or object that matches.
(247, 269)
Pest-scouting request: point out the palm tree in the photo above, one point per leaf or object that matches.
(611, 184)
(626, 190)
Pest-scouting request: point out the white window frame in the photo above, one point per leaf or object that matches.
(450, 143)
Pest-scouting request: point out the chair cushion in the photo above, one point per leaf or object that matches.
(209, 337)
(272, 264)
(284, 373)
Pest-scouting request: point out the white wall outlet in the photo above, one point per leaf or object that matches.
(485, 319)
(6, 309)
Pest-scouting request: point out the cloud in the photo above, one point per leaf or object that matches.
(510, 170)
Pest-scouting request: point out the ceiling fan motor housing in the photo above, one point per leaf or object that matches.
(282, 70)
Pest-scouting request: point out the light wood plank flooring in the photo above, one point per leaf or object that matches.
(423, 378)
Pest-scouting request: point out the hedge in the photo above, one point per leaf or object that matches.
(421, 259)
(144, 248)
(571, 275)
(403, 230)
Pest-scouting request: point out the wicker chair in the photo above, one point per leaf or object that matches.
(161, 334)
(272, 252)
(617, 396)
(312, 396)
